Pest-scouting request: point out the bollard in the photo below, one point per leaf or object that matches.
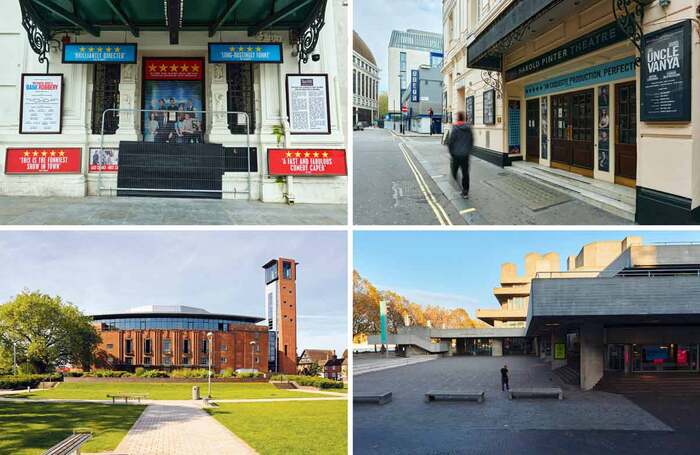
(195, 392)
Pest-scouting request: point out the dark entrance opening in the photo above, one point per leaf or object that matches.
(626, 133)
(573, 350)
(572, 132)
(517, 346)
(532, 131)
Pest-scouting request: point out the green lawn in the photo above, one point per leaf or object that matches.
(31, 428)
(312, 427)
(163, 391)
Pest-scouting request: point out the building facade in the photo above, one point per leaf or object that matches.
(258, 71)
(171, 337)
(408, 50)
(281, 313)
(423, 100)
(311, 357)
(593, 92)
(365, 83)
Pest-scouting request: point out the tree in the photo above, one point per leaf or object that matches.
(314, 369)
(47, 331)
(383, 104)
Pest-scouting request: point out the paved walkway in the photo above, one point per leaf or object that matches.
(180, 428)
(163, 211)
(369, 363)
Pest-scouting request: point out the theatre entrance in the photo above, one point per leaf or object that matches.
(626, 133)
(532, 131)
(572, 132)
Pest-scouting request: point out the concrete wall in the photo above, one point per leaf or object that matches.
(592, 355)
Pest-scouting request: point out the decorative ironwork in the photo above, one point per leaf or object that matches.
(105, 95)
(629, 15)
(241, 96)
(310, 32)
(38, 34)
(493, 80)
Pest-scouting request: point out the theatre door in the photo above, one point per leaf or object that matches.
(572, 132)
(626, 133)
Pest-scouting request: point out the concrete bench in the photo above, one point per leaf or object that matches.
(441, 395)
(544, 392)
(377, 398)
(71, 445)
(127, 396)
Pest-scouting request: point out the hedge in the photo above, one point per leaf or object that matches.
(311, 381)
(30, 380)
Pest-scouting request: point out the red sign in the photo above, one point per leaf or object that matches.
(306, 162)
(173, 69)
(404, 108)
(43, 161)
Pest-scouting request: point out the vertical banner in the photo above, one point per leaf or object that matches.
(544, 125)
(415, 90)
(604, 128)
(514, 127)
(382, 320)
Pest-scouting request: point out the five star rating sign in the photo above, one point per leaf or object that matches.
(306, 162)
(99, 53)
(245, 53)
(43, 160)
(173, 69)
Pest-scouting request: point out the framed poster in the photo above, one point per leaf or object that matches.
(99, 53)
(307, 104)
(559, 351)
(514, 127)
(109, 158)
(604, 128)
(470, 110)
(665, 83)
(245, 53)
(43, 160)
(306, 162)
(489, 108)
(544, 125)
(41, 104)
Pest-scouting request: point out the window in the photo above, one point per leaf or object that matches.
(186, 346)
(203, 360)
(185, 360)
(166, 345)
(271, 273)
(223, 347)
(241, 96)
(105, 95)
(110, 346)
(402, 74)
(128, 347)
(222, 360)
(128, 360)
(287, 270)
(147, 346)
(147, 361)
(167, 360)
(257, 359)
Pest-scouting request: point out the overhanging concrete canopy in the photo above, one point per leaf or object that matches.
(613, 301)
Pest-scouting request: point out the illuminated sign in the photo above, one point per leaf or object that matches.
(245, 53)
(99, 53)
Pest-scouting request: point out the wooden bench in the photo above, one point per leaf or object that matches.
(71, 445)
(378, 398)
(462, 395)
(127, 396)
(544, 392)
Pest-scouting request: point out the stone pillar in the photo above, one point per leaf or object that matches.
(558, 336)
(536, 345)
(628, 358)
(496, 347)
(128, 122)
(592, 355)
(219, 92)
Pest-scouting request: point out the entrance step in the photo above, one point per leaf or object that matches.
(569, 375)
(616, 199)
(662, 384)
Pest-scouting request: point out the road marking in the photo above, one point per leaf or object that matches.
(437, 208)
(462, 212)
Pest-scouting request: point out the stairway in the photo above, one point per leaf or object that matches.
(616, 199)
(668, 384)
(569, 375)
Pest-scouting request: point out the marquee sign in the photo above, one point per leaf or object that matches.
(99, 53)
(245, 53)
(666, 74)
(590, 42)
(173, 69)
(607, 72)
(43, 161)
(307, 162)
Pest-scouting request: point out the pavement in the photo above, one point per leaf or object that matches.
(92, 210)
(497, 196)
(583, 423)
(180, 428)
(371, 362)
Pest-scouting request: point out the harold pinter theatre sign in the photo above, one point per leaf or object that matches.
(666, 74)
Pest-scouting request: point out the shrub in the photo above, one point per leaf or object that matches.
(74, 374)
(101, 373)
(189, 373)
(249, 375)
(310, 381)
(227, 373)
(29, 380)
(139, 371)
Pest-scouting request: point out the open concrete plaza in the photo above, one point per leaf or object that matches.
(584, 422)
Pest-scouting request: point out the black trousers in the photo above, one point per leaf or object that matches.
(461, 162)
(504, 384)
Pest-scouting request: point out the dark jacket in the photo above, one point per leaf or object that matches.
(461, 140)
(504, 374)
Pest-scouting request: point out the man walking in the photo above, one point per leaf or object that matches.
(460, 144)
(504, 379)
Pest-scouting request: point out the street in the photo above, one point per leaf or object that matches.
(388, 192)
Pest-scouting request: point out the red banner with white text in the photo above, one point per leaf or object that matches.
(43, 161)
(173, 69)
(308, 162)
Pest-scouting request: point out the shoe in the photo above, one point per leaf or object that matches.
(465, 195)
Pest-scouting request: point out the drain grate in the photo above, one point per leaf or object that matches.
(535, 196)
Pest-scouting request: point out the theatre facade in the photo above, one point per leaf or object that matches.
(602, 94)
(240, 99)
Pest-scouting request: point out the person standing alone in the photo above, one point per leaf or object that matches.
(504, 379)
(460, 144)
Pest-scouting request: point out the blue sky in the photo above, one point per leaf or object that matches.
(374, 20)
(460, 269)
(112, 271)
